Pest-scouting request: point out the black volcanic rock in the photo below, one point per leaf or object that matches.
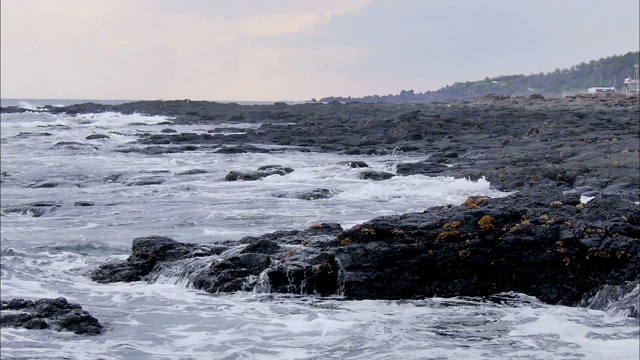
(354, 164)
(97, 137)
(540, 241)
(57, 314)
(193, 172)
(262, 172)
(242, 149)
(35, 209)
(84, 203)
(513, 142)
(376, 175)
(314, 194)
(543, 243)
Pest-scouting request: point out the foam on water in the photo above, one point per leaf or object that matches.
(50, 255)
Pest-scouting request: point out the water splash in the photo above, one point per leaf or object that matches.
(618, 300)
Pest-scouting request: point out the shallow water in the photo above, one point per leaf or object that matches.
(49, 256)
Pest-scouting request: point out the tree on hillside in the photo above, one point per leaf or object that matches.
(577, 78)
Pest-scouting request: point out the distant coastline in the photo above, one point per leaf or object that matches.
(610, 72)
(25, 103)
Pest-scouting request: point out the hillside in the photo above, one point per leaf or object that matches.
(556, 83)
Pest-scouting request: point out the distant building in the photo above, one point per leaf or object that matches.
(632, 83)
(601, 89)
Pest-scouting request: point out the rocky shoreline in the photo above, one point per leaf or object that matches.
(587, 143)
(541, 241)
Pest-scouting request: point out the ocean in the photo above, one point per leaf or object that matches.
(51, 255)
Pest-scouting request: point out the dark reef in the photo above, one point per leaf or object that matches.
(541, 241)
(587, 142)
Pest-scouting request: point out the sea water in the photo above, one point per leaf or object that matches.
(50, 255)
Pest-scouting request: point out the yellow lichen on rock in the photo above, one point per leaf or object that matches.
(486, 222)
(524, 222)
(367, 231)
(453, 225)
(474, 203)
(398, 233)
(446, 234)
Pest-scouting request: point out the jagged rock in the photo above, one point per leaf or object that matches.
(314, 194)
(354, 164)
(262, 172)
(57, 314)
(146, 253)
(532, 242)
(84, 203)
(261, 247)
(376, 175)
(97, 137)
(35, 209)
(73, 145)
(159, 150)
(193, 172)
(45, 184)
(423, 168)
(513, 142)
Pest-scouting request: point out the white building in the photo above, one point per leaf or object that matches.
(601, 89)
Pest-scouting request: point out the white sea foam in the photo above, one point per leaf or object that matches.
(49, 256)
(586, 199)
(27, 105)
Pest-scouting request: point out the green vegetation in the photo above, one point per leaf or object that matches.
(556, 83)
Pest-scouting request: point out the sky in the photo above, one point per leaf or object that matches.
(273, 50)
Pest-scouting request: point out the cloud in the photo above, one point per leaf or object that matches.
(286, 49)
(428, 44)
(151, 49)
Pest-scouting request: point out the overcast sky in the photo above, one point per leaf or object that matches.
(294, 49)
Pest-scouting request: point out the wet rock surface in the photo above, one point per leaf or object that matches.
(97, 137)
(314, 194)
(35, 209)
(542, 243)
(376, 175)
(586, 140)
(57, 314)
(262, 172)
